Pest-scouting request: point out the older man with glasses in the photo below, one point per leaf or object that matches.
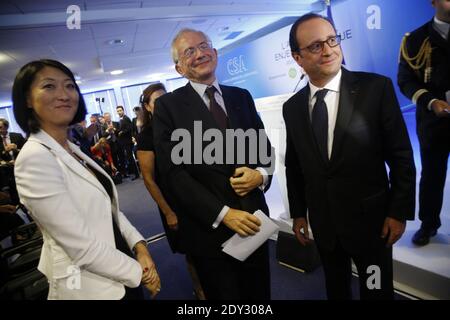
(212, 201)
(342, 129)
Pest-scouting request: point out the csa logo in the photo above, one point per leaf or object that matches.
(236, 65)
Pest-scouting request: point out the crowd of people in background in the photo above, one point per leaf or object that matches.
(111, 143)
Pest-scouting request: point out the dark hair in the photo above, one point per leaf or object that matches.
(145, 98)
(121, 107)
(24, 115)
(137, 108)
(295, 46)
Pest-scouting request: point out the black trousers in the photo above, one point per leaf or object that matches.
(431, 188)
(126, 159)
(225, 278)
(338, 272)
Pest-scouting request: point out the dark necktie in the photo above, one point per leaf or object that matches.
(215, 109)
(319, 120)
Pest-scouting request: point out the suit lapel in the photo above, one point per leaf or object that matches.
(198, 109)
(60, 153)
(232, 107)
(200, 112)
(436, 37)
(347, 97)
(87, 175)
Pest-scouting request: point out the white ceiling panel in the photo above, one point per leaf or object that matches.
(147, 33)
(24, 55)
(63, 35)
(156, 26)
(77, 49)
(165, 3)
(6, 60)
(121, 4)
(207, 2)
(34, 6)
(149, 42)
(25, 38)
(112, 29)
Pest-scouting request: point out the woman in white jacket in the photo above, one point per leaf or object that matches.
(87, 240)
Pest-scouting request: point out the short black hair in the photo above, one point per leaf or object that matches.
(24, 115)
(121, 107)
(295, 46)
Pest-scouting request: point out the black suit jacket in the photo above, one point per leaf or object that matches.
(15, 138)
(198, 192)
(433, 132)
(349, 196)
(124, 135)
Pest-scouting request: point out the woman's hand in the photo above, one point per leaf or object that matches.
(153, 287)
(150, 277)
(172, 220)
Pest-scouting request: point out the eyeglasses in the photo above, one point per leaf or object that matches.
(317, 47)
(203, 46)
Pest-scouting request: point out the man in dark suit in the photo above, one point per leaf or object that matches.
(125, 138)
(342, 128)
(11, 142)
(424, 77)
(212, 201)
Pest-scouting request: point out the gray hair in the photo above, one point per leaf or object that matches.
(5, 122)
(180, 33)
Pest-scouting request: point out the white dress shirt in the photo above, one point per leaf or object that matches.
(332, 101)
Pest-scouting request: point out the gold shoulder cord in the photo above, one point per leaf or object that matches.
(421, 59)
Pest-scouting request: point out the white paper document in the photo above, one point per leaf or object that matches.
(241, 247)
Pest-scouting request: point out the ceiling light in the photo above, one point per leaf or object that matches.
(115, 42)
(116, 72)
(4, 58)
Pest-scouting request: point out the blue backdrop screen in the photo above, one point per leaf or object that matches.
(371, 31)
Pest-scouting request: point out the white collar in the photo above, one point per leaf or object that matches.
(200, 88)
(441, 27)
(44, 138)
(332, 85)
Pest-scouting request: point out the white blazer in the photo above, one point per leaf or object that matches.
(75, 215)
